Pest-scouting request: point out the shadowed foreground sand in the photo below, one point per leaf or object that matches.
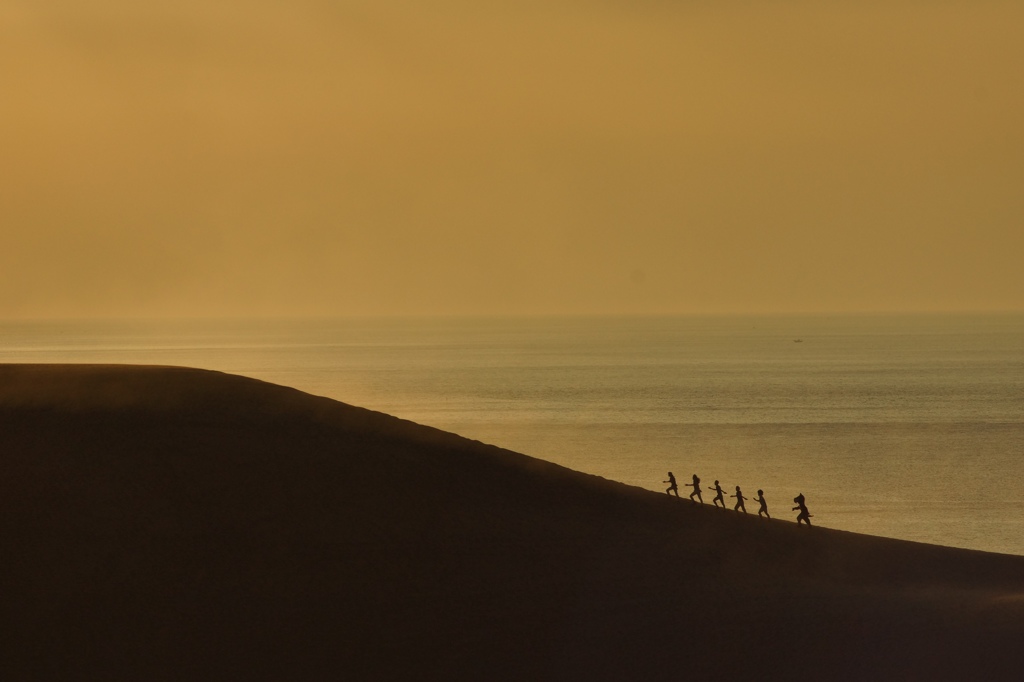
(173, 524)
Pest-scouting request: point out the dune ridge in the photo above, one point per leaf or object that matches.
(172, 523)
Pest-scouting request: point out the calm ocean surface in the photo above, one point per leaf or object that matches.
(904, 426)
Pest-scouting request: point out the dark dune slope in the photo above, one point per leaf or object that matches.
(165, 523)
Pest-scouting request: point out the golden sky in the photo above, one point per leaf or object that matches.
(336, 157)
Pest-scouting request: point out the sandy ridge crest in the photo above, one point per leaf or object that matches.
(173, 523)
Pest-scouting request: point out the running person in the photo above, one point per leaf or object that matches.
(764, 504)
(804, 516)
(739, 501)
(672, 487)
(718, 497)
(696, 489)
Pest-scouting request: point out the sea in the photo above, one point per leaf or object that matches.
(905, 426)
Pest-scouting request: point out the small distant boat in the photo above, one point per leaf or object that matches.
(798, 340)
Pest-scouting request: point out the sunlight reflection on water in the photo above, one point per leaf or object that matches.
(908, 427)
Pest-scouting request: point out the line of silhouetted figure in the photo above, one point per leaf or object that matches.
(673, 489)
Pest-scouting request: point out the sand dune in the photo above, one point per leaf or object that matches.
(167, 523)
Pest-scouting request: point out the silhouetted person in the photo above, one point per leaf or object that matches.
(739, 501)
(764, 504)
(718, 496)
(672, 487)
(804, 515)
(696, 489)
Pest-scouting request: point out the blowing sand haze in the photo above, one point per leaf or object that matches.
(168, 523)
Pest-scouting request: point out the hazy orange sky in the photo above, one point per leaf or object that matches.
(336, 157)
